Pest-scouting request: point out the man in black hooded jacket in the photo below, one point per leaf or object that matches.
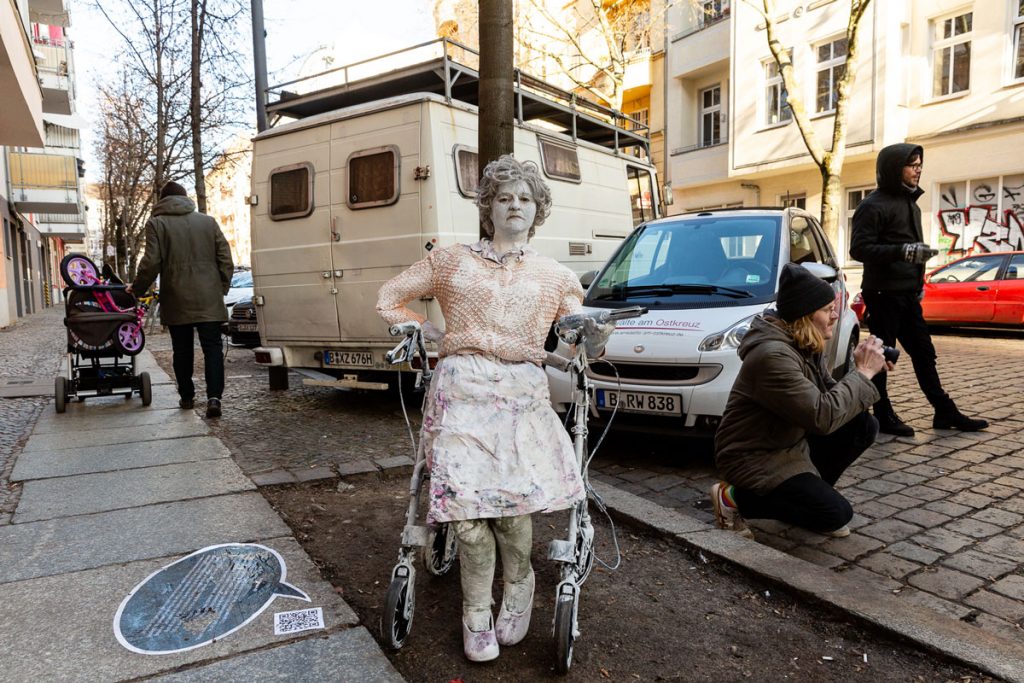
(887, 238)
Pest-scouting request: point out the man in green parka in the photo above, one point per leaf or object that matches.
(188, 251)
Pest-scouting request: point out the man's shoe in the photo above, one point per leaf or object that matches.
(841, 532)
(956, 420)
(186, 403)
(213, 407)
(890, 423)
(726, 517)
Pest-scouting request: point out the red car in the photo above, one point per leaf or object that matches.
(984, 289)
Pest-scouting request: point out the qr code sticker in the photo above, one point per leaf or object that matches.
(299, 620)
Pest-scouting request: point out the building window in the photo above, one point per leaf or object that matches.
(831, 68)
(641, 118)
(373, 177)
(776, 105)
(951, 54)
(1018, 41)
(711, 116)
(713, 11)
(560, 161)
(798, 201)
(291, 192)
(853, 200)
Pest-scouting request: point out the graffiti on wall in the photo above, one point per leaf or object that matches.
(983, 215)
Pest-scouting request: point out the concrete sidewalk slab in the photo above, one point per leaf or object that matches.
(353, 652)
(75, 439)
(922, 625)
(135, 418)
(60, 628)
(87, 493)
(46, 464)
(73, 544)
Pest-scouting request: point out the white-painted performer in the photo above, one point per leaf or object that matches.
(497, 451)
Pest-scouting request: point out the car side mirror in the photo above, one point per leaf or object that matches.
(588, 278)
(822, 270)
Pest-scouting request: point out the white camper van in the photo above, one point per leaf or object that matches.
(367, 177)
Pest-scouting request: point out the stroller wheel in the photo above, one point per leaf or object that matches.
(78, 270)
(441, 550)
(130, 338)
(396, 620)
(60, 394)
(146, 388)
(564, 635)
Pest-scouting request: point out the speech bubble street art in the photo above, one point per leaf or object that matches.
(201, 598)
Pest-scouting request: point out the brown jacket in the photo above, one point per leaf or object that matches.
(189, 253)
(780, 395)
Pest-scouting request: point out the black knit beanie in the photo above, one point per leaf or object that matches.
(172, 189)
(801, 293)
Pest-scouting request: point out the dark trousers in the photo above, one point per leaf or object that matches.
(183, 344)
(896, 316)
(807, 500)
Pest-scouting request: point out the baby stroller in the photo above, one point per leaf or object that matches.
(104, 325)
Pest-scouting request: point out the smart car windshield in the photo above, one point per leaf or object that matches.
(694, 262)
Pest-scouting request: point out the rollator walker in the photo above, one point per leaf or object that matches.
(575, 553)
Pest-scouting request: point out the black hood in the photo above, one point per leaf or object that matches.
(889, 167)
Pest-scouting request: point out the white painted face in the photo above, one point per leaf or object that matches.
(513, 211)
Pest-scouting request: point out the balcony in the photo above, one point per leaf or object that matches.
(55, 76)
(700, 50)
(52, 12)
(637, 75)
(21, 113)
(44, 183)
(69, 226)
(693, 166)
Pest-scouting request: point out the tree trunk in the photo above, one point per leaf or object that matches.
(497, 110)
(831, 200)
(198, 17)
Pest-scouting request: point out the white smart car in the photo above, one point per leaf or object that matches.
(703, 276)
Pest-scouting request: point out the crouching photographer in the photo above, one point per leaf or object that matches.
(790, 430)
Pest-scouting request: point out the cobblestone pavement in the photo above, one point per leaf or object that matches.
(32, 347)
(939, 517)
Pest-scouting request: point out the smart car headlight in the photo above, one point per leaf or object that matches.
(728, 338)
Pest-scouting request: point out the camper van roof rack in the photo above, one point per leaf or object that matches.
(442, 67)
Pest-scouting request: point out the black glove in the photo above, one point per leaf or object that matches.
(918, 252)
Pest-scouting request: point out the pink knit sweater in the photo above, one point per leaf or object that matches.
(495, 308)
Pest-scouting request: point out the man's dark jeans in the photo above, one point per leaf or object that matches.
(182, 342)
(807, 500)
(896, 316)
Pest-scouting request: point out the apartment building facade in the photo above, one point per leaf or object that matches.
(40, 199)
(945, 74)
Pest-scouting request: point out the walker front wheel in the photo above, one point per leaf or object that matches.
(441, 550)
(565, 611)
(396, 620)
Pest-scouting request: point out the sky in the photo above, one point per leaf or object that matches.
(296, 29)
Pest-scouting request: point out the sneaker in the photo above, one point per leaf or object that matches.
(726, 517)
(890, 423)
(957, 420)
(841, 532)
(213, 407)
(186, 403)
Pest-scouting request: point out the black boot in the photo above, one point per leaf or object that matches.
(890, 423)
(952, 418)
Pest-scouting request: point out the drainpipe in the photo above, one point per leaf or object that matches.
(668, 197)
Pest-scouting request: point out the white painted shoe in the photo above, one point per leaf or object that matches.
(479, 646)
(512, 625)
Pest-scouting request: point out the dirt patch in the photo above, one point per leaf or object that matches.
(663, 615)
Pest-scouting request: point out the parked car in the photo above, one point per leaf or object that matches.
(985, 289)
(241, 288)
(703, 276)
(242, 327)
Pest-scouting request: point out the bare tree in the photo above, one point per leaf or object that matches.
(829, 161)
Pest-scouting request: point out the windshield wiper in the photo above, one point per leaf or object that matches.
(668, 290)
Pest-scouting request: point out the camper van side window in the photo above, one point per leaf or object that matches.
(560, 161)
(291, 192)
(467, 170)
(373, 177)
